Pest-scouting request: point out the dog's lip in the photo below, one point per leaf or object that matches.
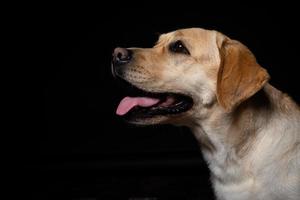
(131, 88)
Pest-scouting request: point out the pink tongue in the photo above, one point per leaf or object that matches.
(129, 102)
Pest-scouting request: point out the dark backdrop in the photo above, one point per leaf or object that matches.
(76, 148)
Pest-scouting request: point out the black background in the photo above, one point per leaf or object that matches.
(75, 147)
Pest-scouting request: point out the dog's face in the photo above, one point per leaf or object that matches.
(184, 74)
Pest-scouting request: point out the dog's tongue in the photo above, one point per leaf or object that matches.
(129, 102)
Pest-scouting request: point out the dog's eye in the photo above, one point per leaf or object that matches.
(178, 47)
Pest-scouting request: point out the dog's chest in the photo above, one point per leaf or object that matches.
(225, 166)
(230, 178)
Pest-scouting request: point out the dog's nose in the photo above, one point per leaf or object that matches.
(121, 56)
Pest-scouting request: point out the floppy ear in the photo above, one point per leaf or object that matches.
(239, 75)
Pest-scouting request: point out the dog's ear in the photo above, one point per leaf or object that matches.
(239, 75)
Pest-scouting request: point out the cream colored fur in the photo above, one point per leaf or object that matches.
(250, 138)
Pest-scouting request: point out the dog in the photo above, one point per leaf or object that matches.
(249, 131)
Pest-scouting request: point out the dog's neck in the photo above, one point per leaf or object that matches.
(226, 138)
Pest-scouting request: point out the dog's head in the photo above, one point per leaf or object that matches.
(184, 75)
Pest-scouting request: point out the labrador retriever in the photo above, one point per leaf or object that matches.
(249, 131)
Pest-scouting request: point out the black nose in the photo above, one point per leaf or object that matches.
(121, 56)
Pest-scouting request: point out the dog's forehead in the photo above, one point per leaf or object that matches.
(191, 34)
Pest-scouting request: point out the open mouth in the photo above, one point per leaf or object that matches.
(143, 104)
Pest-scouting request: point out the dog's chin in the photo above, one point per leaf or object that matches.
(141, 121)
